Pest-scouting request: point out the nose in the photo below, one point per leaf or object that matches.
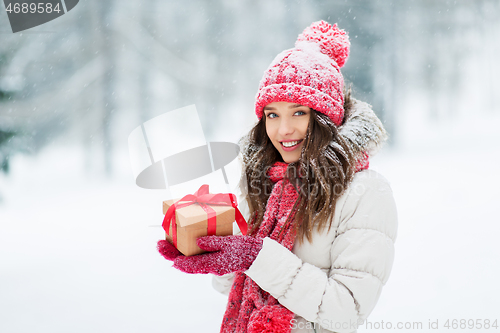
(286, 127)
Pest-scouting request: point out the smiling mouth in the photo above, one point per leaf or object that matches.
(290, 144)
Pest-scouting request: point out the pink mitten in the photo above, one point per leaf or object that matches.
(167, 250)
(227, 254)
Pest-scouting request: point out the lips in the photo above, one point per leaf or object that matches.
(290, 145)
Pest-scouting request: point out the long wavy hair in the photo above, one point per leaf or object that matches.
(320, 176)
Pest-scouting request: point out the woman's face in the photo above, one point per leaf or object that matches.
(286, 127)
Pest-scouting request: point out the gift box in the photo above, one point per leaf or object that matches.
(200, 214)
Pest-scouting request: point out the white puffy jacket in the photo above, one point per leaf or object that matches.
(333, 282)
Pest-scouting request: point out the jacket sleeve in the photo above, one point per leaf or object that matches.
(361, 257)
(223, 283)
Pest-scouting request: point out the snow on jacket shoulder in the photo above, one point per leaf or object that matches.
(336, 279)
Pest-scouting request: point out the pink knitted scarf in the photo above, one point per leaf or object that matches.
(251, 309)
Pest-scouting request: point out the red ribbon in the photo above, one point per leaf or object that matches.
(203, 198)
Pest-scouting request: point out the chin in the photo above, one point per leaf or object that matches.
(289, 159)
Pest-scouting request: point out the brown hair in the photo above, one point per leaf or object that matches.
(320, 176)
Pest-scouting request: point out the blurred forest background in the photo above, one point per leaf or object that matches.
(91, 76)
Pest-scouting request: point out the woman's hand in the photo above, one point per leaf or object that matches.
(227, 254)
(167, 250)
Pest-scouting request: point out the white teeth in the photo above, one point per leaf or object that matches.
(289, 143)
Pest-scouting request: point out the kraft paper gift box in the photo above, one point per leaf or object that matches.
(200, 214)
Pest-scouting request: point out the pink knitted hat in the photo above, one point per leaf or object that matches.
(309, 74)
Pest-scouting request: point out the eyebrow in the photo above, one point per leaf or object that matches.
(293, 106)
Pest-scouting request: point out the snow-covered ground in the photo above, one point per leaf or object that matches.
(77, 252)
(446, 185)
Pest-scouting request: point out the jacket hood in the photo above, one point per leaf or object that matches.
(362, 129)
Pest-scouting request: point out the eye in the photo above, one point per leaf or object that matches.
(299, 113)
(271, 115)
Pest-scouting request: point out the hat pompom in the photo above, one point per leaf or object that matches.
(333, 41)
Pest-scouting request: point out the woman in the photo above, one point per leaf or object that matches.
(322, 226)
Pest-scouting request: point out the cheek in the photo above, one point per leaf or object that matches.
(304, 126)
(270, 130)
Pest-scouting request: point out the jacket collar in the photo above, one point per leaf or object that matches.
(362, 129)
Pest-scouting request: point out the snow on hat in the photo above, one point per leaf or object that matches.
(309, 74)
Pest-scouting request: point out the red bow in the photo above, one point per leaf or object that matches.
(203, 198)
